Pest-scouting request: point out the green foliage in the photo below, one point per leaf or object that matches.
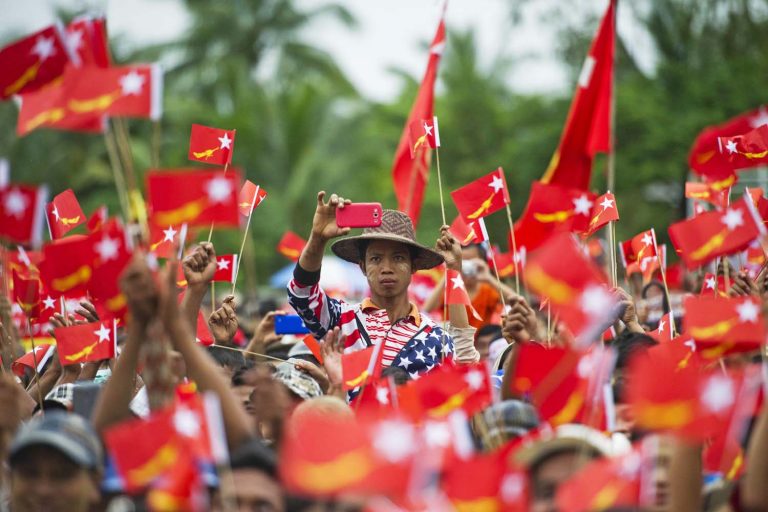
(302, 126)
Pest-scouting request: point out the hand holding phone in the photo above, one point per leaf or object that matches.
(359, 215)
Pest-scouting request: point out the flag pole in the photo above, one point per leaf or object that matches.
(34, 362)
(440, 183)
(210, 234)
(114, 162)
(612, 253)
(611, 161)
(664, 280)
(156, 139)
(245, 236)
(496, 272)
(445, 277)
(514, 249)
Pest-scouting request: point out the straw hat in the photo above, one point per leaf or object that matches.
(395, 226)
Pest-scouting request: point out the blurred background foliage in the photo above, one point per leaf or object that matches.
(302, 126)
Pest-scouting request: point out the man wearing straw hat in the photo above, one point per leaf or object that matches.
(388, 255)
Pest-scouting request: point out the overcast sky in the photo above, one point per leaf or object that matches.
(387, 35)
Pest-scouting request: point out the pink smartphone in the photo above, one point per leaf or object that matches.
(359, 215)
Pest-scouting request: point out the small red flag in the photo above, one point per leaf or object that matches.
(359, 366)
(32, 62)
(94, 341)
(717, 233)
(195, 197)
(225, 268)
(64, 214)
(722, 326)
(251, 196)
(42, 354)
(603, 211)
(87, 38)
(705, 192)
(22, 213)
(663, 332)
(97, 219)
(203, 332)
(424, 133)
(291, 245)
(457, 292)
(112, 252)
(462, 231)
(26, 293)
(67, 267)
(483, 196)
(747, 150)
(211, 145)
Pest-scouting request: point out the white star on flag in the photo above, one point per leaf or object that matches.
(710, 283)
(219, 189)
(496, 184)
(49, 303)
(15, 203)
(222, 264)
(458, 282)
(404, 362)
(427, 129)
(437, 434)
(760, 119)
(394, 440)
(186, 422)
(607, 203)
(647, 239)
(226, 142)
(44, 47)
(74, 40)
(169, 234)
(512, 487)
(732, 219)
(420, 356)
(661, 326)
(107, 248)
(718, 394)
(131, 83)
(582, 205)
(747, 311)
(595, 301)
(55, 213)
(103, 333)
(731, 147)
(474, 379)
(382, 396)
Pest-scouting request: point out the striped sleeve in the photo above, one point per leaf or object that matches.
(319, 311)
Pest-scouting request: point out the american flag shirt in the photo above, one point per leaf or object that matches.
(414, 343)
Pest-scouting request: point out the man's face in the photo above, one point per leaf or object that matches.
(483, 342)
(44, 479)
(470, 254)
(257, 491)
(550, 475)
(388, 268)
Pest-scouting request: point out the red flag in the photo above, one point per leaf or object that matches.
(552, 209)
(64, 214)
(714, 286)
(203, 332)
(291, 245)
(409, 175)
(225, 268)
(706, 160)
(42, 354)
(26, 293)
(588, 127)
(574, 286)
(97, 219)
(722, 326)
(94, 341)
(211, 145)
(457, 292)
(482, 197)
(197, 198)
(359, 366)
(505, 263)
(424, 132)
(251, 196)
(747, 150)
(163, 238)
(639, 247)
(446, 389)
(603, 211)
(462, 231)
(717, 233)
(663, 332)
(32, 62)
(21, 213)
(112, 252)
(87, 38)
(485, 482)
(68, 266)
(705, 192)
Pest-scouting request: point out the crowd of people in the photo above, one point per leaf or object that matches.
(286, 405)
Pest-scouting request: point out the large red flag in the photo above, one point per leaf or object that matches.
(722, 326)
(409, 174)
(32, 62)
(64, 214)
(194, 197)
(95, 341)
(588, 127)
(211, 145)
(706, 160)
(747, 150)
(291, 245)
(26, 293)
(67, 267)
(21, 213)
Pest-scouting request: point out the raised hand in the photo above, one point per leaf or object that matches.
(223, 321)
(449, 248)
(313, 371)
(324, 222)
(140, 290)
(265, 331)
(519, 322)
(87, 311)
(742, 285)
(332, 349)
(199, 265)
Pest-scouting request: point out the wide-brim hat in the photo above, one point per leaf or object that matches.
(395, 226)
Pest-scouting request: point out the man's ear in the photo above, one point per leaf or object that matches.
(362, 265)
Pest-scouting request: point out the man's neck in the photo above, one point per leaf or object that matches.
(396, 307)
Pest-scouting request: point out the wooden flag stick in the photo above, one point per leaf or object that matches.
(514, 250)
(612, 254)
(265, 356)
(34, 362)
(114, 162)
(156, 142)
(496, 272)
(440, 185)
(242, 245)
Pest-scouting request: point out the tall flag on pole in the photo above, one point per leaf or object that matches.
(21, 213)
(748, 150)
(86, 342)
(64, 214)
(588, 127)
(409, 174)
(424, 133)
(251, 196)
(211, 145)
(32, 62)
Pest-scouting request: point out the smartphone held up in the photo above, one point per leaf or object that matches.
(359, 215)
